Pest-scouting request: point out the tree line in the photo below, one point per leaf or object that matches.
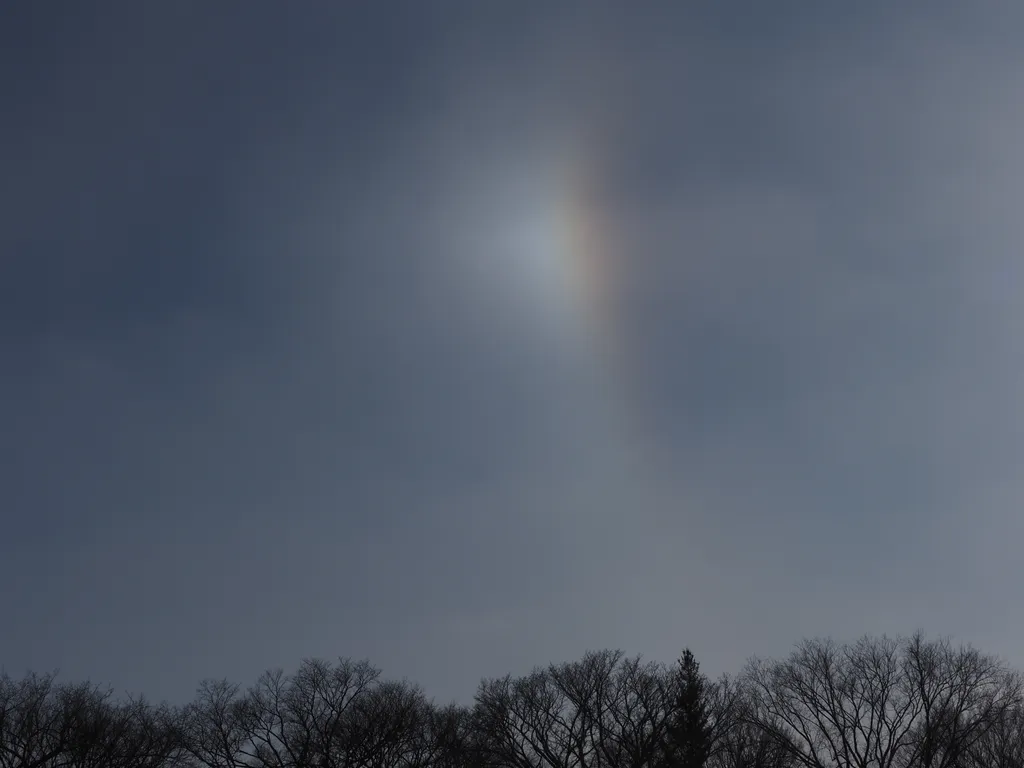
(879, 702)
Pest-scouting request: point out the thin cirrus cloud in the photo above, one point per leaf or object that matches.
(469, 341)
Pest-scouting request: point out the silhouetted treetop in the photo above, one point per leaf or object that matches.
(878, 702)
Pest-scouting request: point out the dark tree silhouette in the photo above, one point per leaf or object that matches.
(832, 705)
(1002, 745)
(747, 746)
(876, 703)
(961, 693)
(601, 711)
(688, 734)
(213, 726)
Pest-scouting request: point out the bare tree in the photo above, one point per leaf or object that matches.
(443, 738)
(599, 711)
(591, 690)
(741, 738)
(267, 723)
(961, 694)
(213, 728)
(385, 728)
(637, 710)
(749, 746)
(875, 703)
(135, 734)
(524, 722)
(298, 720)
(830, 705)
(1002, 745)
(42, 722)
(27, 725)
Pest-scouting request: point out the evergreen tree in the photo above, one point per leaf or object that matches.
(688, 734)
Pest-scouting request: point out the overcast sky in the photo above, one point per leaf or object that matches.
(290, 366)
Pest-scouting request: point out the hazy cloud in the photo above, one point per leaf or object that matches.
(256, 404)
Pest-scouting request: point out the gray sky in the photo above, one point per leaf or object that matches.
(291, 365)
